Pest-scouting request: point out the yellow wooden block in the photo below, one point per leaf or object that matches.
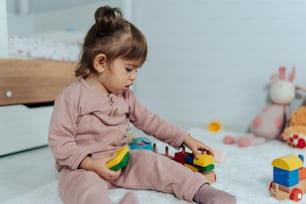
(204, 160)
(288, 162)
(191, 167)
(120, 153)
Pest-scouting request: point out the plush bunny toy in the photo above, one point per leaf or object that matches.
(271, 121)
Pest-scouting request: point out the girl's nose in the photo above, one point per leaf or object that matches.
(133, 76)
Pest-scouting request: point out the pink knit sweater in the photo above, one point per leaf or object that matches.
(84, 122)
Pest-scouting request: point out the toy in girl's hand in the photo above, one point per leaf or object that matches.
(121, 159)
(204, 164)
(271, 121)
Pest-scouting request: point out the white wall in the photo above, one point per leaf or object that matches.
(20, 25)
(212, 60)
(3, 29)
(78, 18)
(75, 18)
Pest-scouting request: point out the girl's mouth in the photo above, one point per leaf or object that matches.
(128, 86)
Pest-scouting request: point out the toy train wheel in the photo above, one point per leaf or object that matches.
(215, 177)
(296, 194)
(270, 186)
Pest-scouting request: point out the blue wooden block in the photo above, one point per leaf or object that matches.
(189, 159)
(285, 178)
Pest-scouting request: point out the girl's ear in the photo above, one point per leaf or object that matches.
(99, 63)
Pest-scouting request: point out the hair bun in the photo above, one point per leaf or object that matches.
(108, 20)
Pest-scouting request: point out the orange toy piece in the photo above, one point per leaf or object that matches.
(302, 174)
(214, 126)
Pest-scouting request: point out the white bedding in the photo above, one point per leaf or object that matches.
(246, 172)
(41, 48)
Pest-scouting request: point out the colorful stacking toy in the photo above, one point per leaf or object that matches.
(121, 159)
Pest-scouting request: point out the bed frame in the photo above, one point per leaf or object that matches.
(28, 88)
(33, 81)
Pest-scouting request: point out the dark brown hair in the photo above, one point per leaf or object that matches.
(113, 36)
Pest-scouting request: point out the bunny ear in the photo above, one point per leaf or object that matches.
(292, 75)
(282, 73)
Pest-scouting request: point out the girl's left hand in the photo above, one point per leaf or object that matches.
(195, 145)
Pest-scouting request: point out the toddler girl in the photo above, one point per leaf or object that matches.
(92, 115)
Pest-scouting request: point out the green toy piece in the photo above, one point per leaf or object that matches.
(121, 159)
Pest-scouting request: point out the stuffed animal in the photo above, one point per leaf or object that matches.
(272, 120)
(295, 134)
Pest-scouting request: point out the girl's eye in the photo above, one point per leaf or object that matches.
(128, 69)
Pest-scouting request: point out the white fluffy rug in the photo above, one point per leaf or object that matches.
(246, 172)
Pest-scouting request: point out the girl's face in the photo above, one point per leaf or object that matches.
(119, 75)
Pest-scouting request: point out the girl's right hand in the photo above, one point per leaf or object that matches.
(99, 166)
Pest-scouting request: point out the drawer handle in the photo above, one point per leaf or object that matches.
(9, 94)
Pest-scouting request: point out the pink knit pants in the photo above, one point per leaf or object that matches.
(145, 170)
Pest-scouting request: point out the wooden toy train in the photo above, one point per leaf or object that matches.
(289, 178)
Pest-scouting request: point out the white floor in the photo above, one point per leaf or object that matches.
(25, 171)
